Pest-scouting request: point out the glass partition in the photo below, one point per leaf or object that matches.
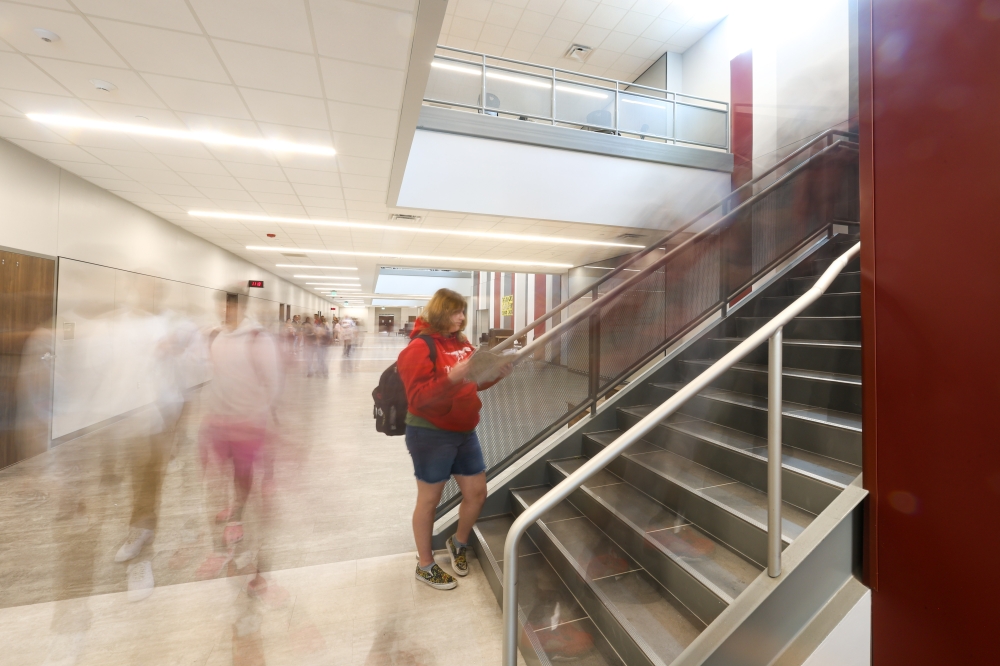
(645, 116)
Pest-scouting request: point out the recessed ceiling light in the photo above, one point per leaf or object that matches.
(527, 238)
(46, 35)
(201, 136)
(332, 268)
(422, 257)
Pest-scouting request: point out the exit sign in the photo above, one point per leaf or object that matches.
(256, 283)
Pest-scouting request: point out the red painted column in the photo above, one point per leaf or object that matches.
(540, 281)
(496, 300)
(741, 117)
(930, 137)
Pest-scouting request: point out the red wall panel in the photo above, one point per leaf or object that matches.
(930, 95)
(741, 119)
(540, 280)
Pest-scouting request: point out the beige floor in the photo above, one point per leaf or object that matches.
(334, 537)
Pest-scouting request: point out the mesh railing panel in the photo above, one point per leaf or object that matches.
(689, 283)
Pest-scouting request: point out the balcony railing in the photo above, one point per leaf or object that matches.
(499, 86)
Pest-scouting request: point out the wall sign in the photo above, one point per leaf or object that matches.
(507, 306)
(259, 284)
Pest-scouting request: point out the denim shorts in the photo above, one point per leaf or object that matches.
(437, 454)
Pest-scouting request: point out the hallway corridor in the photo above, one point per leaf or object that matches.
(331, 533)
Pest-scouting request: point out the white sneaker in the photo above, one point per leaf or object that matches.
(140, 580)
(137, 538)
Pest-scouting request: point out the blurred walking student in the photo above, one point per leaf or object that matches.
(324, 338)
(241, 399)
(348, 332)
(442, 414)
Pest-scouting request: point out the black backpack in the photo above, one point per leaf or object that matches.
(390, 397)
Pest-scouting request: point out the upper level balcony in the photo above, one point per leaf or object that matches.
(501, 87)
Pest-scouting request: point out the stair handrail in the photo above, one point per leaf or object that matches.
(770, 331)
(590, 289)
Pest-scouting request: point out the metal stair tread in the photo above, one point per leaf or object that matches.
(601, 478)
(828, 469)
(649, 613)
(837, 344)
(562, 511)
(679, 539)
(735, 496)
(816, 375)
(493, 533)
(830, 417)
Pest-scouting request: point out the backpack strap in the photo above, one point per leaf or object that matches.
(432, 348)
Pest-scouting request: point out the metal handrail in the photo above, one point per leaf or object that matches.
(590, 289)
(771, 331)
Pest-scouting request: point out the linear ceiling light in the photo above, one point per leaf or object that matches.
(514, 79)
(332, 268)
(338, 289)
(422, 257)
(333, 284)
(328, 277)
(201, 136)
(417, 230)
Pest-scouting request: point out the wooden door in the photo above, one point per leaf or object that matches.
(27, 295)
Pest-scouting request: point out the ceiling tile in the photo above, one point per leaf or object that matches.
(193, 165)
(590, 35)
(495, 34)
(308, 177)
(362, 84)
(550, 7)
(132, 158)
(362, 33)
(225, 194)
(270, 69)
(27, 102)
(534, 22)
(364, 146)
(152, 175)
(472, 9)
(327, 192)
(577, 10)
(281, 209)
(356, 119)
(76, 77)
(170, 190)
(259, 171)
(523, 41)
(285, 109)
(564, 29)
(277, 198)
(164, 51)
(504, 15)
(205, 180)
(171, 14)
(130, 113)
(21, 74)
(212, 99)
(618, 42)
(254, 185)
(635, 23)
(651, 7)
(283, 24)
(465, 28)
(644, 48)
(22, 128)
(364, 182)
(606, 16)
(79, 42)
(661, 30)
(363, 166)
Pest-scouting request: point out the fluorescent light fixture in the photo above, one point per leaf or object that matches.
(328, 277)
(331, 268)
(333, 284)
(605, 268)
(337, 289)
(421, 257)
(250, 217)
(530, 82)
(201, 136)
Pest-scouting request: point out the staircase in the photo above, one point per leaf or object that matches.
(637, 563)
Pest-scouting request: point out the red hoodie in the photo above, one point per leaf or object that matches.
(429, 393)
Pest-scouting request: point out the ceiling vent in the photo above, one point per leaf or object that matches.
(579, 52)
(299, 256)
(405, 218)
(627, 236)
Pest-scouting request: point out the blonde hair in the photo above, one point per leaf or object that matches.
(439, 310)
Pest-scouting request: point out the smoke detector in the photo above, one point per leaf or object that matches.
(46, 35)
(579, 52)
(106, 86)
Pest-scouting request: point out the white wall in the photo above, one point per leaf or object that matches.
(850, 642)
(119, 265)
(800, 69)
(472, 175)
(415, 285)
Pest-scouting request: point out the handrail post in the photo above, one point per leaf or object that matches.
(510, 564)
(774, 366)
(483, 98)
(553, 96)
(594, 335)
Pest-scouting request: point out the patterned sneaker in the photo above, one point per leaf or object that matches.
(436, 578)
(458, 561)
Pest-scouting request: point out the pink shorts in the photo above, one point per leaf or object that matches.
(238, 440)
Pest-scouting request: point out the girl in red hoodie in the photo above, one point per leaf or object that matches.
(442, 414)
